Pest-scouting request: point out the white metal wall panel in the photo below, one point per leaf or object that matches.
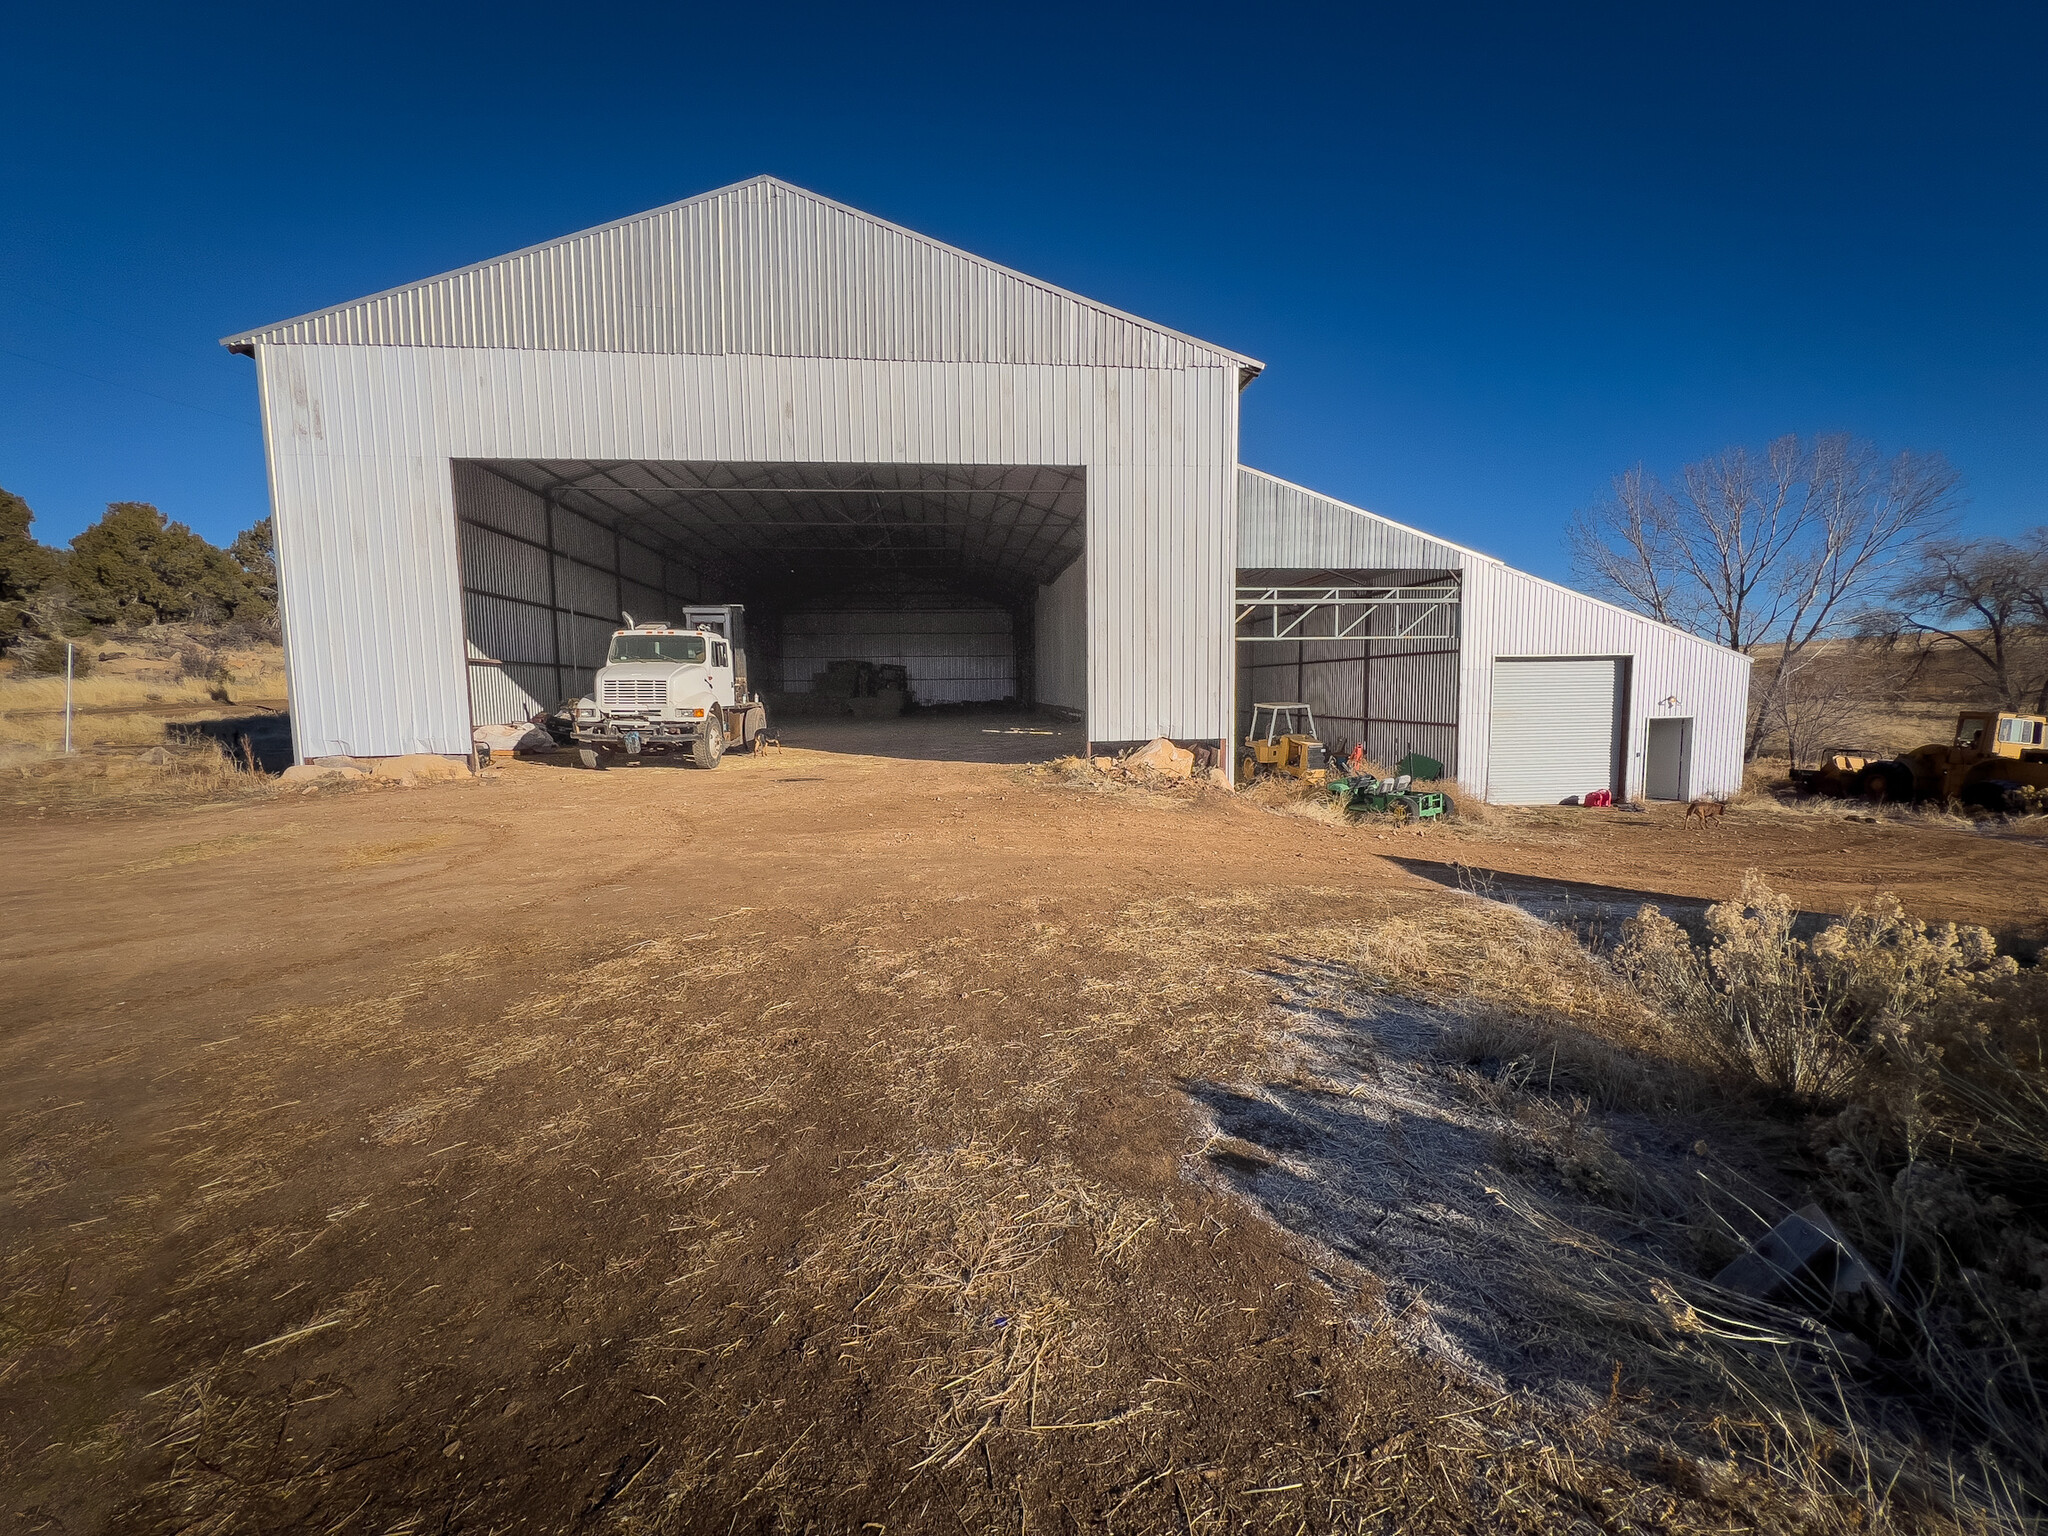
(954, 655)
(760, 268)
(1060, 636)
(361, 438)
(1282, 526)
(1556, 728)
(1672, 674)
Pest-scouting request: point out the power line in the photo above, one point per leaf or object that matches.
(240, 421)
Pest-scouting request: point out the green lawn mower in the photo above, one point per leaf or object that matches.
(1387, 797)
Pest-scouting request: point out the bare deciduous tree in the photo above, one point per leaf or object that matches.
(1988, 599)
(1773, 549)
(1819, 701)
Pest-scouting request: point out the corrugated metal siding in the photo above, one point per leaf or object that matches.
(1060, 635)
(1671, 675)
(1395, 703)
(361, 438)
(956, 655)
(760, 268)
(1285, 527)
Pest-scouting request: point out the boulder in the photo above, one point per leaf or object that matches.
(419, 767)
(1162, 757)
(522, 736)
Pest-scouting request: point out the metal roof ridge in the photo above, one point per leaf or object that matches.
(241, 339)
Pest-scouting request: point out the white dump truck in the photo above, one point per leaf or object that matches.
(679, 688)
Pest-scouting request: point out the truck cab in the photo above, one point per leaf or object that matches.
(2005, 735)
(672, 688)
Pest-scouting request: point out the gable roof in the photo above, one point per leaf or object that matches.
(760, 267)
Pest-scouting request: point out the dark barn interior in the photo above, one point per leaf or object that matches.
(936, 568)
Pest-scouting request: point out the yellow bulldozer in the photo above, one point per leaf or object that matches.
(1283, 740)
(1996, 761)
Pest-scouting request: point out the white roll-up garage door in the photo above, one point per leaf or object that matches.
(1556, 728)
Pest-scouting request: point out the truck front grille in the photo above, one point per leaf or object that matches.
(634, 693)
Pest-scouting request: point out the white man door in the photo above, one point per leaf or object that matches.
(1558, 727)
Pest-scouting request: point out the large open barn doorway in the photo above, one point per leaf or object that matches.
(849, 572)
(1373, 653)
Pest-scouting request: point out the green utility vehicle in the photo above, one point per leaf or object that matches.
(1388, 797)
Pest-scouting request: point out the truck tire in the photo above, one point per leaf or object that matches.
(709, 746)
(1886, 783)
(1992, 795)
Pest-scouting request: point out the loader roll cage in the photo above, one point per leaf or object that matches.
(1274, 730)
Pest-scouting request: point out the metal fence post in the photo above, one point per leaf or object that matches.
(67, 697)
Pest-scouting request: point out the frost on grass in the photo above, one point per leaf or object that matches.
(1543, 1157)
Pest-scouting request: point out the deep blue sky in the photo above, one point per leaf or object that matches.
(1490, 256)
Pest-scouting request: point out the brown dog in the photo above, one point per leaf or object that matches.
(1706, 810)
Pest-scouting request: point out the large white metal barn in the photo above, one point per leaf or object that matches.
(892, 450)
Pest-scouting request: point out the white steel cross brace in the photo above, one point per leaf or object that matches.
(1412, 613)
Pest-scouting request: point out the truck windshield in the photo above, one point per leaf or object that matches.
(656, 648)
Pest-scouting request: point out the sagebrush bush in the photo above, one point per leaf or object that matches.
(1917, 1056)
(195, 660)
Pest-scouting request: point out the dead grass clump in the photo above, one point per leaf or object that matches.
(1461, 805)
(957, 1246)
(1488, 953)
(1519, 1052)
(1107, 776)
(1290, 797)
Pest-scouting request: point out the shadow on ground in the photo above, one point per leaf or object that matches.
(266, 735)
(942, 736)
(1594, 912)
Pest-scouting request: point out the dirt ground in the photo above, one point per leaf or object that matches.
(813, 1144)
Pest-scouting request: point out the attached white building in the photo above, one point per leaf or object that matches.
(894, 450)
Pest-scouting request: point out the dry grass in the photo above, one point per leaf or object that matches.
(1556, 1035)
(35, 783)
(41, 695)
(129, 700)
(1290, 797)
